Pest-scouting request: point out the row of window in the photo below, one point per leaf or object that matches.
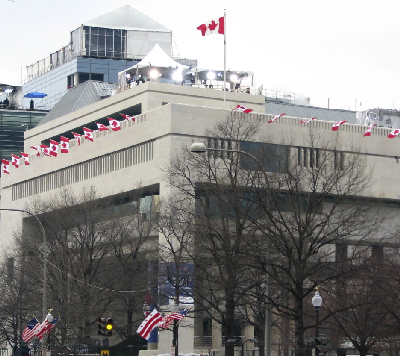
(95, 167)
(273, 157)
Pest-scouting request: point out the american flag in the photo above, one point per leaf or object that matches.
(173, 316)
(30, 331)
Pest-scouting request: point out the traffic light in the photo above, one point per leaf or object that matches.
(102, 326)
(109, 327)
(105, 326)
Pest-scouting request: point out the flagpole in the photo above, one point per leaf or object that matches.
(224, 59)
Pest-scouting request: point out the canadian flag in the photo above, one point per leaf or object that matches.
(394, 133)
(336, 125)
(37, 148)
(88, 134)
(276, 117)
(5, 166)
(77, 137)
(214, 26)
(54, 148)
(114, 124)
(64, 144)
(368, 131)
(128, 117)
(241, 108)
(307, 120)
(101, 127)
(25, 156)
(15, 160)
(46, 150)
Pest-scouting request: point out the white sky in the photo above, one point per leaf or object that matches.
(346, 51)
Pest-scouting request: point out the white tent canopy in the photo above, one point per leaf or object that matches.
(157, 58)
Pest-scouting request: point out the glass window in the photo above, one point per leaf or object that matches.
(273, 158)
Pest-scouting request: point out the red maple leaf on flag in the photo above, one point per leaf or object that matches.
(213, 25)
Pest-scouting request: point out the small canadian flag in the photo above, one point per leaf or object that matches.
(15, 160)
(368, 130)
(128, 117)
(394, 133)
(114, 124)
(306, 121)
(276, 117)
(37, 148)
(25, 156)
(101, 127)
(216, 26)
(88, 134)
(77, 137)
(336, 125)
(46, 150)
(64, 144)
(54, 148)
(5, 166)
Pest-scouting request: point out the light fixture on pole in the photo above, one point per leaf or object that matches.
(316, 302)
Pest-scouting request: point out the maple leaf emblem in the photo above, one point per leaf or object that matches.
(213, 25)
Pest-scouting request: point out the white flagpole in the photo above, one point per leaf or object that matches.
(224, 59)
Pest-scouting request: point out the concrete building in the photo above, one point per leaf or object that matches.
(167, 117)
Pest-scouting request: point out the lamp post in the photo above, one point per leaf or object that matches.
(316, 302)
(199, 147)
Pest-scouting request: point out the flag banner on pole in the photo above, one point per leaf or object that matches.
(276, 118)
(166, 322)
(54, 148)
(148, 324)
(37, 148)
(368, 130)
(114, 124)
(101, 127)
(25, 156)
(15, 160)
(5, 166)
(394, 133)
(77, 137)
(30, 331)
(307, 120)
(214, 26)
(336, 125)
(241, 108)
(128, 117)
(88, 134)
(64, 144)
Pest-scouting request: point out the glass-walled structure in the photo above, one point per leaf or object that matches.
(105, 42)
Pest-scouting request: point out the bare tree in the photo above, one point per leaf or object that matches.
(176, 250)
(218, 188)
(272, 217)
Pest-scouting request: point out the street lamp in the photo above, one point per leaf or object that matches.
(199, 147)
(316, 302)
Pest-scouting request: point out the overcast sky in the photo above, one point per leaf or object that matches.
(344, 51)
